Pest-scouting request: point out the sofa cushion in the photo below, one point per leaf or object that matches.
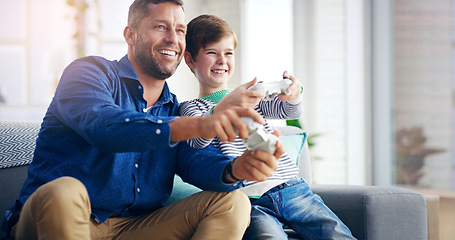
(181, 190)
(18, 143)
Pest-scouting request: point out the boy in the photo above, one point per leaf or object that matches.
(282, 199)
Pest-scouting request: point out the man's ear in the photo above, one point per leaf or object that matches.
(129, 34)
(189, 60)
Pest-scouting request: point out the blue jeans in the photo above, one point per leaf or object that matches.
(294, 205)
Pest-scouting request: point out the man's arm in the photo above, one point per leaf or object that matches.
(208, 168)
(222, 124)
(251, 165)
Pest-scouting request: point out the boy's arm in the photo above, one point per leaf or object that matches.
(243, 97)
(284, 106)
(240, 97)
(194, 108)
(277, 109)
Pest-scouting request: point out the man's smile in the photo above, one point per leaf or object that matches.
(168, 52)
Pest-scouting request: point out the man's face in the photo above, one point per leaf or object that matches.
(160, 40)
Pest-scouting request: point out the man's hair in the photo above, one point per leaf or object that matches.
(139, 10)
(206, 29)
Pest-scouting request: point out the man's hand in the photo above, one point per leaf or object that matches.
(222, 124)
(240, 97)
(256, 165)
(295, 88)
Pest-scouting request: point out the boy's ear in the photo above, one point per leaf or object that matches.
(188, 60)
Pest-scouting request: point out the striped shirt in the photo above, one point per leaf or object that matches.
(274, 109)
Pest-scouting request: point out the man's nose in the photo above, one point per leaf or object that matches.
(171, 36)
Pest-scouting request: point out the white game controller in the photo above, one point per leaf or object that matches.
(259, 138)
(272, 89)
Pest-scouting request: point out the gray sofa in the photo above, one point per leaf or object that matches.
(371, 212)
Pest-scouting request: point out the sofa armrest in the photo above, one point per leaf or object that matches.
(377, 213)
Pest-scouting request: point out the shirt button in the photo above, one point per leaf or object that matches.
(138, 189)
(144, 110)
(158, 131)
(127, 119)
(136, 165)
(160, 121)
(139, 87)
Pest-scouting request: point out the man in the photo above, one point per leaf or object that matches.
(109, 146)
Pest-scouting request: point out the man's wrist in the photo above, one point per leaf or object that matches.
(229, 175)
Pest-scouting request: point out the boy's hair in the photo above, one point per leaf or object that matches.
(139, 10)
(206, 29)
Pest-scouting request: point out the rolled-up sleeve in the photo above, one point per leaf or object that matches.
(91, 100)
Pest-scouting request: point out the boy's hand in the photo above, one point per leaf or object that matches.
(240, 97)
(295, 88)
(256, 165)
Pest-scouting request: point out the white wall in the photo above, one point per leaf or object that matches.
(35, 45)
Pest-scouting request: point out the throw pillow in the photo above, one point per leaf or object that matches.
(293, 144)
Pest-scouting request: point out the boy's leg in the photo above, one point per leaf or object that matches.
(204, 215)
(264, 225)
(306, 213)
(59, 209)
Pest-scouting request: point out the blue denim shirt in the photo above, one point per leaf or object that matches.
(98, 130)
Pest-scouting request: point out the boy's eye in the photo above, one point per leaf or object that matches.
(229, 53)
(211, 52)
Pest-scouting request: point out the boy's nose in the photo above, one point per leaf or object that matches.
(221, 60)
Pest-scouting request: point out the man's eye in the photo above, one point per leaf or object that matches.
(181, 31)
(161, 27)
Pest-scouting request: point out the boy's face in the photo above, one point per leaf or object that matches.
(214, 64)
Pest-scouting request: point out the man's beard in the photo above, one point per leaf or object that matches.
(150, 64)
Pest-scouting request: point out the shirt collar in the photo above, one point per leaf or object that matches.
(217, 96)
(126, 70)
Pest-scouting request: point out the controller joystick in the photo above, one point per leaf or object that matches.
(259, 138)
(272, 89)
